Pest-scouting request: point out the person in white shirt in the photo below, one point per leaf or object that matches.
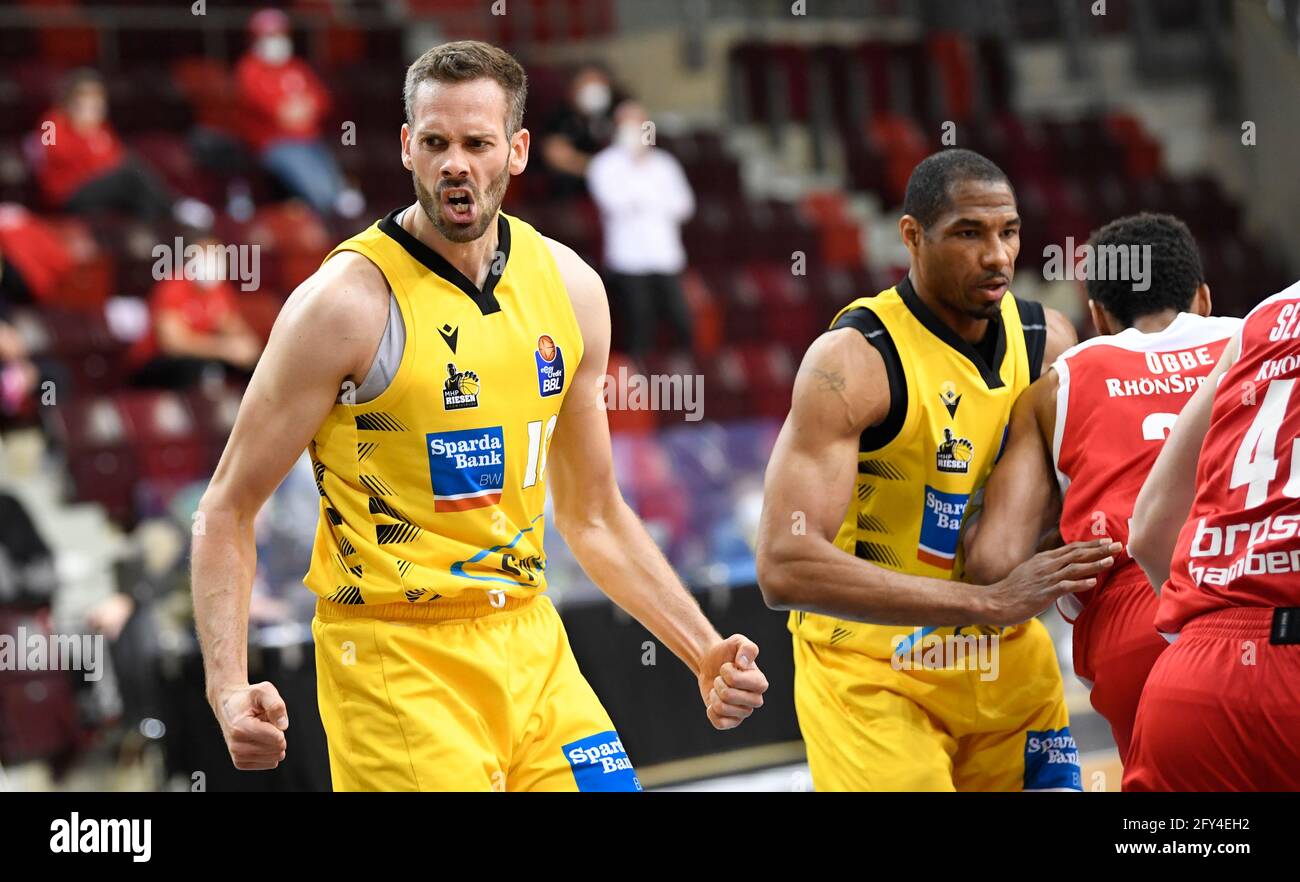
(644, 198)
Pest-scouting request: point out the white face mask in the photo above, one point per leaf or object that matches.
(593, 98)
(274, 49)
(628, 136)
(206, 268)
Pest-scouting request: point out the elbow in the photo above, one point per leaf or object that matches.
(776, 577)
(981, 569)
(595, 512)
(987, 563)
(1141, 547)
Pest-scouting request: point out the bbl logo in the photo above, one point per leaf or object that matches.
(550, 367)
(954, 454)
(460, 390)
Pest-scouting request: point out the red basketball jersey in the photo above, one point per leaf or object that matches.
(1240, 546)
(1117, 399)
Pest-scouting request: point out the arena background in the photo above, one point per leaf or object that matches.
(797, 124)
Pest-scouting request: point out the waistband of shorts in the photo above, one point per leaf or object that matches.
(1248, 622)
(446, 610)
(1128, 577)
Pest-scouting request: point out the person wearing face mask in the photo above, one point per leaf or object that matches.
(578, 130)
(83, 167)
(194, 326)
(283, 106)
(644, 198)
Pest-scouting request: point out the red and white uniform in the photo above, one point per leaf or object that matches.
(1219, 709)
(1118, 397)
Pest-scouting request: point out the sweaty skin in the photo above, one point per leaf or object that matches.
(329, 331)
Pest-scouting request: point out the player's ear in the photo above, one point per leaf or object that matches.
(910, 231)
(519, 144)
(1201, 302)
(1099, 318)
(406, 147)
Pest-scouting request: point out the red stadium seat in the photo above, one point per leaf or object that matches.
(95, 438)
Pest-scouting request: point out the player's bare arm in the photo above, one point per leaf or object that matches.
(842, 389)
(1167, 494)
(1060, 337)
(1022, 500)
(326, 333)
(1022, 482)
(607, 537)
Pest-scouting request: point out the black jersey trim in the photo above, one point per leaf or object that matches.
(1033, 322)
(484, 299)
(873, 329)
(935, 325)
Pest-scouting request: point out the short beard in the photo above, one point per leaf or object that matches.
(488, 204)
(985, 311)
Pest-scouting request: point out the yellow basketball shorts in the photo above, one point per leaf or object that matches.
(460, 696)
(997, 722)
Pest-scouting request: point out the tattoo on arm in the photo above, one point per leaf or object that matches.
(829, 381)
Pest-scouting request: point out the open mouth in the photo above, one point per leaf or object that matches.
(458, 203)
(993, 290)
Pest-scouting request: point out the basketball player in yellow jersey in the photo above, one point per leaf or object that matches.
(906, 678)
(471, 353)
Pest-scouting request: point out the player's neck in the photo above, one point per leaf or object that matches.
(473, 259)
(1154, 324)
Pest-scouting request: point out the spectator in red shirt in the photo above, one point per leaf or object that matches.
(195, 327)
(283, 104)
(83, 168)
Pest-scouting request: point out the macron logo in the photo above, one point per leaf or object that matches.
(102, 835)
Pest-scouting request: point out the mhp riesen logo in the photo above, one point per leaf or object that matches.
(940, 524)
(1052, 760)
(467, 468)
(600, 765)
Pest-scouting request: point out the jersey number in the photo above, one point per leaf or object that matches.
(1255, 465)
(1157, 425)
(538, 441)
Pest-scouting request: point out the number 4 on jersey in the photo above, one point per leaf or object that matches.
(1255, 465)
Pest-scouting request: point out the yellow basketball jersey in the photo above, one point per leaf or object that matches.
(436, 487)
(923, 468)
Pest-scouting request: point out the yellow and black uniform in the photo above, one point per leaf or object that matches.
(440, 665)
(925, 708)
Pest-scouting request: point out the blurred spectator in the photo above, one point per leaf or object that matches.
(195, 328)
(34, 257)
(83, 167)
(283, 104)
(577, 130)
(19, 376)
(644, 198)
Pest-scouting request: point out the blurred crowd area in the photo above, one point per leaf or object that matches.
(734, 172)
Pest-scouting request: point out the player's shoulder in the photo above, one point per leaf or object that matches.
(346, 300)
(581, 280)
(845, 362)
(1186, 331)
(1289, 293)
